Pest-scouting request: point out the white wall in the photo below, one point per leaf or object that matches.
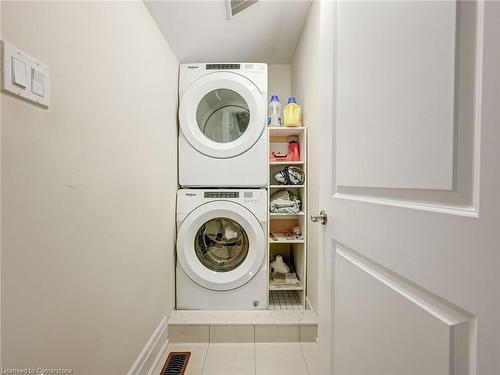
(305, 86)
(279, 82)
(88, 188)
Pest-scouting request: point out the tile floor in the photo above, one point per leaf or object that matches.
(247, 358)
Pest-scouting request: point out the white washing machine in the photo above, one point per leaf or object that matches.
(221, 249)
(223, 117)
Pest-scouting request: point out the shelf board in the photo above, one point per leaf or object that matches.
(283, 131)
(282, 238)
(286, 162)
(271, 241)
(276, 214)
(273, 286)
(286, 186)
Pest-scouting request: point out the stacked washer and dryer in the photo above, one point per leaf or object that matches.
(222, 204)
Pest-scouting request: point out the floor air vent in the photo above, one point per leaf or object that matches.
(176, 363)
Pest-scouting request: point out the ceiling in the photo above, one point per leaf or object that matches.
(200, 31)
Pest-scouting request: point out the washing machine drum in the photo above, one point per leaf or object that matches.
(220, 245)
(222, 114)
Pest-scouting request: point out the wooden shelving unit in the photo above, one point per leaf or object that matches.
(293, 250)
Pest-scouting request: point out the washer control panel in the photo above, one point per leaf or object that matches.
(253, 199)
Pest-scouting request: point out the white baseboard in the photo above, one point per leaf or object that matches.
(148, 357)
(158, 358)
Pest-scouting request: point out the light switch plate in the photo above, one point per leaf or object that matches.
(34, 86)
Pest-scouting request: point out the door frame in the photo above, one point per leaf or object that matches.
(326, 253)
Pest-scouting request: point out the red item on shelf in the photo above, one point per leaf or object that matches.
(294, 151)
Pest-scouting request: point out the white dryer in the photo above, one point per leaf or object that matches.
(222, 117)
(221, 249)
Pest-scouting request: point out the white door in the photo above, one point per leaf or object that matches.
(410, 263)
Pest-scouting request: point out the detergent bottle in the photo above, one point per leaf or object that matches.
(274, 115)
(292, 113)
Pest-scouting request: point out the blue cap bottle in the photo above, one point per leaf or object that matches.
(291, 99)
(275, 98)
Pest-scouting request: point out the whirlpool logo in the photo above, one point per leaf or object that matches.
(190, 194)
(193, 66)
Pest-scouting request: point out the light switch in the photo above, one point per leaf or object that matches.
(23, 76)
(37, 82)
(18, 72)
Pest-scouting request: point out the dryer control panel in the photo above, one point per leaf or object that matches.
(255, 72)
(222, 66)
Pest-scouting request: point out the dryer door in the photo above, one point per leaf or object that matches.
(222, 114)
(221, 245)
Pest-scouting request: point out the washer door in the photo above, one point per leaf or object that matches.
(220, 245)
(222, 114)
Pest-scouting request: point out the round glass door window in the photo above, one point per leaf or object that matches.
(223, 115)
(221, 244)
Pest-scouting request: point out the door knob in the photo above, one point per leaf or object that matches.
(322, 218)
